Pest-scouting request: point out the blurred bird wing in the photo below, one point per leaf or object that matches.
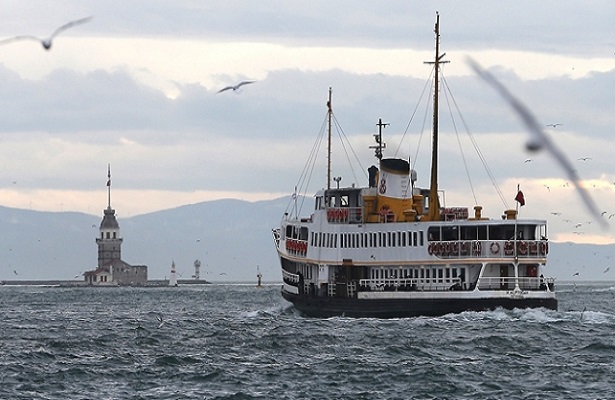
(226, 88)
(17, 38)
(69, 25)
(539, 139)
(244, 83)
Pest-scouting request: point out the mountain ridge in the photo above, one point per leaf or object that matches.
(232, 239)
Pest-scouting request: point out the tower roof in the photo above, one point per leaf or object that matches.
(109, 221)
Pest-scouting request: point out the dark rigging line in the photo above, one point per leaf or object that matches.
(418, 103)
(343, 137)
(463, 156)
(477, 148)
(305, 177)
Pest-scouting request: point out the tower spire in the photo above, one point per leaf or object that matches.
(109, 185)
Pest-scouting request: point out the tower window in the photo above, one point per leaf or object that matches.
(114, 235)
(108, 236)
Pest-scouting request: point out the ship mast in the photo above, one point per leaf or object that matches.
(434, 202)
(329, 114)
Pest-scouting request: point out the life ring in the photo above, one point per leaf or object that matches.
(477, 248)
(522, 248)
(465, 248)
(455, 248)
(430, 249)
(494, 247)
(533, 247)
(509, 248)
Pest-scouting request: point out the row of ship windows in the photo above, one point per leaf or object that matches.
(367, 239)
(439, 273)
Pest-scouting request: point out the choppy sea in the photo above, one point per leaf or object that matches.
(242, 342)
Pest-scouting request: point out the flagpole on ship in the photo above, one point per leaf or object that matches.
(516, 219)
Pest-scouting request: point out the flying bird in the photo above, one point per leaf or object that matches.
(47, 42)
(160, 320)
(235, 87)
(528, 160)
(575, 274)
(584, 158)
(606, 270)
(554, 125)
(15, 272)
(538, 140)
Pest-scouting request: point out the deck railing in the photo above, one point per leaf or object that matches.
(488, 248)
(345, 215)
(509, 283)
(289, 277)
(409, 284)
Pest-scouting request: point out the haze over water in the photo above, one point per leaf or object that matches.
(241, 342)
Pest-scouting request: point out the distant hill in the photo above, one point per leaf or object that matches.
(230, 237)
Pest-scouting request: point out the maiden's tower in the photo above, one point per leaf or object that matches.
(112, 270)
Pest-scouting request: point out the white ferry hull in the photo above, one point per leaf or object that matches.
(405, 307)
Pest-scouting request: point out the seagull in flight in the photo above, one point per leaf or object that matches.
(47, 42)
(235, 87)
(606, 270)
(528, 160)
(584, 158)
(160, 320)
(539, 139)
(554, 125)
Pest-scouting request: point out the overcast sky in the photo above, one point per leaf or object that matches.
(137, 88)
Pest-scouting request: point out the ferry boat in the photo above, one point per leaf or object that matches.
(390, 250)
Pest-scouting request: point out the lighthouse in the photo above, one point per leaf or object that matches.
(173, 278)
